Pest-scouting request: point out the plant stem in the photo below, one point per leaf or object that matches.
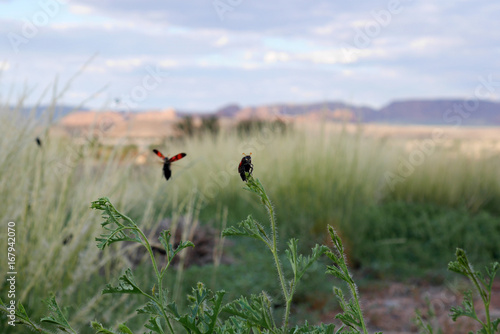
(159, 277)
(354, 290)
(274, 250)
(484, 297)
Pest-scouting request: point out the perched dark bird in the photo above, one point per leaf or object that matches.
(166, 162)
(38, 142)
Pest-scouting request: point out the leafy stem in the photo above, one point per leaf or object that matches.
(483, 286)
(353, 315)
(119, 227)
(299, 263)
(159, 277)
(255, 186)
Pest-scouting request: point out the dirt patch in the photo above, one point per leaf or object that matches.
(208, 244)
(391, 308)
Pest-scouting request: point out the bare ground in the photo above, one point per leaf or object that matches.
(391, 309)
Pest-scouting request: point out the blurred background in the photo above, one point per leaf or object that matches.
(379, 118)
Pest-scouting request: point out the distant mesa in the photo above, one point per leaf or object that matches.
(157, 123)
(89, 118)
(442, 111)
(228, 111)
(159, 116)
(119, 124)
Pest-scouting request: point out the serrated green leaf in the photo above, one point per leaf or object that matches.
(154, 324)
(118, 226)
(235, 326)
(182, 245)
(56, 316)
(21, 317)
(351, 316)
(164, 239)
(467, 308)
(337, 242)
(249, 228)
(216, 308)
(169, 248)
(172, 309)
(189, 323)
(495, 324)
(301, 263)
(491, 272)
(306, 262)
(126, 284)
(22, 310)
(99, 328)
(108, 239)
(306, 328)
(456, 267)
(257, 311)
(150, 308)
(123, 328)
(204, 310)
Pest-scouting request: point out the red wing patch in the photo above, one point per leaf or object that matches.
(158, 153)
(177, 157)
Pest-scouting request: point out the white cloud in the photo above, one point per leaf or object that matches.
(168, 63)
(222, 41)
(285, 44)
(4, 66)
(126, 64)
(273, 57)
(334, 56)
(96, 69)
(429, 44)
(80, 9)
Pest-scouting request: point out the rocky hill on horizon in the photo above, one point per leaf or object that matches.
(401, 112)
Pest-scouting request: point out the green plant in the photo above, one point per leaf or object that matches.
(483, 285)
(122, 228)
(383, 238)
(347, 182)
(249, 126)
(425, 322)
(186, 126)
(21, 317)
(352, 316)
(210, 125)
(204, 312)
(299, 263)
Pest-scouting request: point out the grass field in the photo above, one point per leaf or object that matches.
(402, 206)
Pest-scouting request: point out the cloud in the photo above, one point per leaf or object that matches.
(125, 64)
(79, 9)
(222, 41)
(260, 51)
(4, 66)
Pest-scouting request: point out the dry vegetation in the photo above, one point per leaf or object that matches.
(317, 173)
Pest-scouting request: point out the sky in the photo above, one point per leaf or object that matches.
(200, 55)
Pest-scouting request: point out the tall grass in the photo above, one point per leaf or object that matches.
(44, 191)
(326, 175)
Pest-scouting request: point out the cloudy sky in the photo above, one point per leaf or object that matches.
(203, 54)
